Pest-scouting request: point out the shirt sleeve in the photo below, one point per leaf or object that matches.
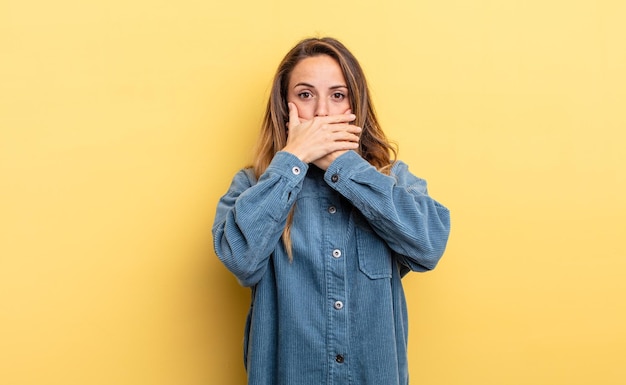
(397, 206)
(251, 216)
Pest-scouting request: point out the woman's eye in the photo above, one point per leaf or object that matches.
(339, 96)
(305, 95)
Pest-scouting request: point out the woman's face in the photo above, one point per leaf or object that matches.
(317, 88)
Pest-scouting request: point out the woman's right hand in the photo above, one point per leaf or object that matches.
(313, 139)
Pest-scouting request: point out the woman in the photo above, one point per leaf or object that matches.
(323, 227)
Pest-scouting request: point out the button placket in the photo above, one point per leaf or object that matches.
(334, 226)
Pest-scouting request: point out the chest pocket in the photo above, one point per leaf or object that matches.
(375, 260)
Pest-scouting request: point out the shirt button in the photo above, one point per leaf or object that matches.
(296, 170)
(332, 209)
(339, 358)
(338, 305)
(334, 178)
(337, 253)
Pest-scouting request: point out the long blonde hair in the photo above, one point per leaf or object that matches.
(373, 144)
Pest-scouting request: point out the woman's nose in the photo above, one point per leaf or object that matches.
(321, 109)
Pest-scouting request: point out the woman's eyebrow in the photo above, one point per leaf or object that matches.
(312, 86)
(304, 85)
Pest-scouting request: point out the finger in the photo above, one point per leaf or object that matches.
(345, 145)
(338, 127)
(347, 137)
(343, 118)
(294, 120)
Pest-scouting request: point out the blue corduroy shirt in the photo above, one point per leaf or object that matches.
(336, 313)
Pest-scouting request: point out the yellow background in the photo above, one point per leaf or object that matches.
(122, 123)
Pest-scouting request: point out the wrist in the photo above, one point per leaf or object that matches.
(299, 153)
